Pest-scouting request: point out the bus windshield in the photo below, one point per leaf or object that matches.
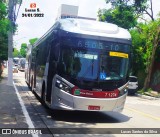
(93, 65)
(80, 63)
(113, 68)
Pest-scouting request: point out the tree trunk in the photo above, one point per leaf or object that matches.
(150, 67)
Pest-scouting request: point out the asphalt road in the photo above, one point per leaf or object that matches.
(142, 114)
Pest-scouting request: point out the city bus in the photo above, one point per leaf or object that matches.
(81, 65)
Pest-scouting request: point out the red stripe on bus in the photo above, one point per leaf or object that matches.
(95, 94)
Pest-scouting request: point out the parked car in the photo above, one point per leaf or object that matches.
(21, 64)
(15, 61)
(133, 85)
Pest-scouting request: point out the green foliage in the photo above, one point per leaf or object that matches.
(4, 27)
(16, 53)
(145, 37)
(141, 92)
(150, 32)
(139, 5)
(32, 41)
(3, 39)
(122, 13)
(3, 11)
(123, 16)
(145, 40)
(142, 40)
(23, 49)
(125, 13)
(138, 43)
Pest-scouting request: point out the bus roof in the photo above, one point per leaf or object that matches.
(95, 28)
(87, 27)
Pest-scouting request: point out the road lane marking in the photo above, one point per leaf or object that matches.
(144, 114)
(25, 112)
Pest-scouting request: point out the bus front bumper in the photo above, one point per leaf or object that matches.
(63, 100)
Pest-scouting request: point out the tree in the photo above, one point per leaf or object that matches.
(138, 43)
(4, 27)
(153, 39)
(3, 11)
(125, 13)
(123, 16)
(146, 38)
(140, 7)
(3, 38)
(16, 53)
(23, 49)
(143, 8)
(32, 41)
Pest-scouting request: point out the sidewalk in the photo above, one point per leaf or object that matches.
(11, 115)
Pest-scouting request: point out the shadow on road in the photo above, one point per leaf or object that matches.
(88, 117)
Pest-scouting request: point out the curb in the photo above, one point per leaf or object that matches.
(146, 97)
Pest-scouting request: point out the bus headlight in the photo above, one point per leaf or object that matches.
(61, 85)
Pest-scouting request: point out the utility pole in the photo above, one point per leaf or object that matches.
(10, 42)
(12, 17)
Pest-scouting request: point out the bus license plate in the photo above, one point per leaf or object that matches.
(93, 107)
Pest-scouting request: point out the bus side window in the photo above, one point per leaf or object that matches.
(56, 52)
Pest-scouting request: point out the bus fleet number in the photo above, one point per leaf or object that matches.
(111, 95)
(98, 45)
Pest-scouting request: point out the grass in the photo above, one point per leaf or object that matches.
(141, 92)
(149, 92)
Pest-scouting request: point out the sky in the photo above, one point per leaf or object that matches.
(32, 27)
(35, 27)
